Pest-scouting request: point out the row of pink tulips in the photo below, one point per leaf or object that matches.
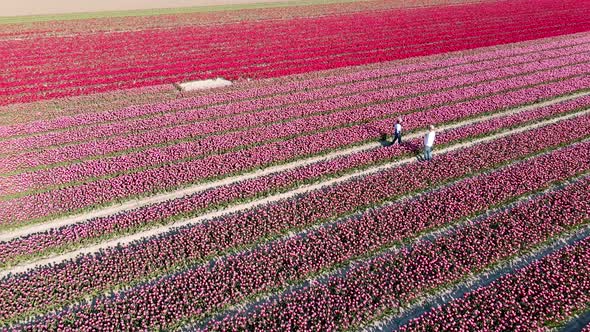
(494, 70)
(180, 174)
(40, 243)
(216, 144)
(545, 293)
(390, 282)
(288, 85)
(197, 291)
(42, 114)
(72, 279)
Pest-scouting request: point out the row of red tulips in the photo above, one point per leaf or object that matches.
(36, 29)
(123, 51)
(343, 44)
(196, 243)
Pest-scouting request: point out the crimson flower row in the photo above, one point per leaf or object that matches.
(122, 265)
(10, 31)
(301, 67)
(161, 40)
(247, 63)
(257, 50)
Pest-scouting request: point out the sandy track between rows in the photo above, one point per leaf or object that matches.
(303, 189)
(190, 190)
(101, 9)
(43, 7)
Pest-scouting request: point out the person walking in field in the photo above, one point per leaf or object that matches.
(428, 143)
(397, 131)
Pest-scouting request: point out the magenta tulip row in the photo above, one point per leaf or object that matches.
(391, 281)
(547, 292)
(72, 279)
(338, 48)
(495, 70)
(191, 205)
(200, 290)
(113, 24)
(56, 82)
(57, 75)
(107, 190)
(310, 81)
(191, 150)
(121, 114)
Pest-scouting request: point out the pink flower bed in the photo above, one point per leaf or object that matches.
(195, 243)
(267, 52)
(548, 291)
(386, 283)
(196, 291)
(180, 174)
(194, 204)
(255, 136)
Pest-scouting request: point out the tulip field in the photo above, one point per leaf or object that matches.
(279, 203)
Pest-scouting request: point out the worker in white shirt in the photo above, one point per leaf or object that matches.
(428, 143)
(397, 131)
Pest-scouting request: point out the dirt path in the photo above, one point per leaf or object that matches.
(138, 203)
(42, 7)
(163, 229)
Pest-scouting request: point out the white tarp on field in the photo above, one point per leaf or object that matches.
(204, 84)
